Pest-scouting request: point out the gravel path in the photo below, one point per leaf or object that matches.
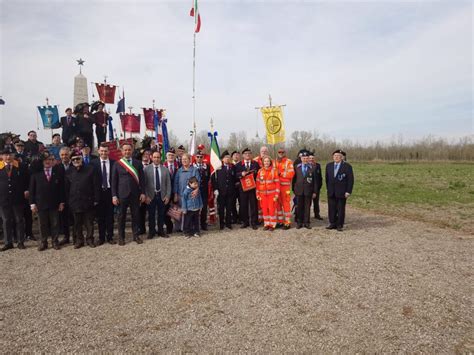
(383, 285)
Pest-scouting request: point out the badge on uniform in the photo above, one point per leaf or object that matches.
(309, 178)
(341, 177)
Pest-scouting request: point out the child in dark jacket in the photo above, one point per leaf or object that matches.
(191, 206)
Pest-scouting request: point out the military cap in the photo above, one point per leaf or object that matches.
(246, 150)
(224, 153)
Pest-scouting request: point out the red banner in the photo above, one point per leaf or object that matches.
(130, 122)
(114, 152)
(149, 115)
(106, 92)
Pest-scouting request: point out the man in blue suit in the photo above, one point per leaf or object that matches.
(339, 184)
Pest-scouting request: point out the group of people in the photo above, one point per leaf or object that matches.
(68, 186)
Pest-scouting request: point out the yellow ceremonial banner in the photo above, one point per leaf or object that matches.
(273, 121)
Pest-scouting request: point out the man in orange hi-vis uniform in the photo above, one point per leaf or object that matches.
(268, 190)
(263, 153)
(286, 172)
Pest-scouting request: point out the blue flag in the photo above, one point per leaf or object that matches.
(164, 131)
(111, 129)
(121, 105)
(49, 116)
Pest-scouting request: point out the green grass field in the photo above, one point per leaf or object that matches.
(441, 193)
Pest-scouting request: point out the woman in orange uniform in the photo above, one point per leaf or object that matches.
(268, 190)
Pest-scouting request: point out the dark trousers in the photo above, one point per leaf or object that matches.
(235, 213)
(225, 204)
(303, 207)
(28, 216)
(248, 201)
(204, 196)
(156, 215)
(105, 215)
(12, 217)
(134, 204)
(84, 219)
(191, 222)
(49, 226)
(142, 223)
(65, 221)
(88, 138)
(336, 211)
(100, 133)
(316, 209)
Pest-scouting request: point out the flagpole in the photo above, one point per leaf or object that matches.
(194, 79)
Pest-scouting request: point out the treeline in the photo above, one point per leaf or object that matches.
(428, 148)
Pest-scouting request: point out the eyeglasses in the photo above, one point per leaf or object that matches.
(76, 159)
(198, 156)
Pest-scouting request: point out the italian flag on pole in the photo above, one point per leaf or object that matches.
(197, 17)
(215, 154)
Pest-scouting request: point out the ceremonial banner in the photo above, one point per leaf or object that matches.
(121, 104)
(164, 132)
(248, 182)
(114, 149)
(216, 162)
(130, 122)
(106, 92)
(149, 116)
(273, 121)
(49, 116)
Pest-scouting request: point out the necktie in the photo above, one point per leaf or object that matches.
(171, 169)
(157, 180)
(336, 168)
(104, 176)
(48, 175)
(86, 160)
(66, 166)
(69, 121)
(248, 165)
(9, 170)
(304, 170)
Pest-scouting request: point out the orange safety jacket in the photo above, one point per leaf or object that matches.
(286, 171)
(268, 182)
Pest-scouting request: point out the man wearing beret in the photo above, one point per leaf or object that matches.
(13, 192)
(248, 199)
(223, 185)
(305, 188)
(235, 159)
(339, 184)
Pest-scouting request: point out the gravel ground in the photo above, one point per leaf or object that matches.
(383, 285)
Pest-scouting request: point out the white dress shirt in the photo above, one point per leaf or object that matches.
(107, 168)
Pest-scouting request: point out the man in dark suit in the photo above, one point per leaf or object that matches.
(205, 174)
(305, 188)
(65, 216)
(82, 195)
(47, 200)
(319, 176)
(339, 183)
(248, 199)
(128, 186)
(68, 124)
(13, 192)
(172, 165)
(105, 209)
(223, 185)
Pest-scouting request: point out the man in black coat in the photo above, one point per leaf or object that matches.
(68, 124)
(248, 199)
(305, 188)
(339, 183)
(47, 200)
(13, 192)
(128, 186)
(319, 176)
(65, 216)
(223, 185)
(82, 195)
(205, 173)
(105, 210)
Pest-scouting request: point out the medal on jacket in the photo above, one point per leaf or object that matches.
(309, 178)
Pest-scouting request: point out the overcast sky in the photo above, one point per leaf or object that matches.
(361, 70)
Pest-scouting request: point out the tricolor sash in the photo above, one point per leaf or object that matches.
(130, 168)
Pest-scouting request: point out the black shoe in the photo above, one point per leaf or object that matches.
(100, 242)
(138, 240)
(286, 226)
(56, 246)
(266, 228)
(64, 241)
(150, 236)
(21, 246)
(221, 227)
(78, 245)
(340, 229)
(318, 217)
(229, 226)
(111, 241)
(121, 242)
(91, 243)
(42, 246)
(299, 226)
(31, 237)
(331, 227)
(204, 228)
(307, 226)
(244, 226)
(255, 227)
